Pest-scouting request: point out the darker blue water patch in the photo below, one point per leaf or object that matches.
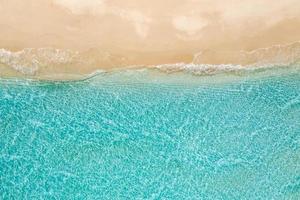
(105, 138)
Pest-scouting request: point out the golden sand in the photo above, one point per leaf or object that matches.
(106, 34)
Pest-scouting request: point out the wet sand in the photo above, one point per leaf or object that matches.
(111, 34)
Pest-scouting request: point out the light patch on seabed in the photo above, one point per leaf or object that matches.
(159, 75)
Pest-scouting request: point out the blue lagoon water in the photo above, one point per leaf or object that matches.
(143, 134)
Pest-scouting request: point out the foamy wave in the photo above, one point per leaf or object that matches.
(273, 55)
(50, 62)
(211, 69)
(231, 61)
(28, 61)
(199, 69)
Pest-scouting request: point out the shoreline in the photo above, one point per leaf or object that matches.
(59, 64)
(154, 74)
(79, 37)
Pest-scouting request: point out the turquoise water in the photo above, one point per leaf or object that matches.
(142, 134)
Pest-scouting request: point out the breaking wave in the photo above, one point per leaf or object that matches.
(230, 61)
(32, 61)
(28, 61)
(273, 55)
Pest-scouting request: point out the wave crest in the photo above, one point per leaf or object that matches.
(43, 62)
(273, 55)
(230, 61)
(199, 69)
(28, 61)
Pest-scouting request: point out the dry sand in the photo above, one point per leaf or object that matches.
(105, 34)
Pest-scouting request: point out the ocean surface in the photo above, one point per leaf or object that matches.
(147, 134)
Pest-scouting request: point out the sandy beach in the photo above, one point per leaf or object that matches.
(150, 99)
(79, 36)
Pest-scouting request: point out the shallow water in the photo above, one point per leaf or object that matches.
(147, 135)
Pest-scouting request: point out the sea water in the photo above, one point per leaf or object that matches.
(143, 134)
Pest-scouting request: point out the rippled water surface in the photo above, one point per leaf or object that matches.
(140, 135)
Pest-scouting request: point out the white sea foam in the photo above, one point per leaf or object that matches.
(210, 69)
(199, 68)
(28, 61)
(273, 55)
(263, 58)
